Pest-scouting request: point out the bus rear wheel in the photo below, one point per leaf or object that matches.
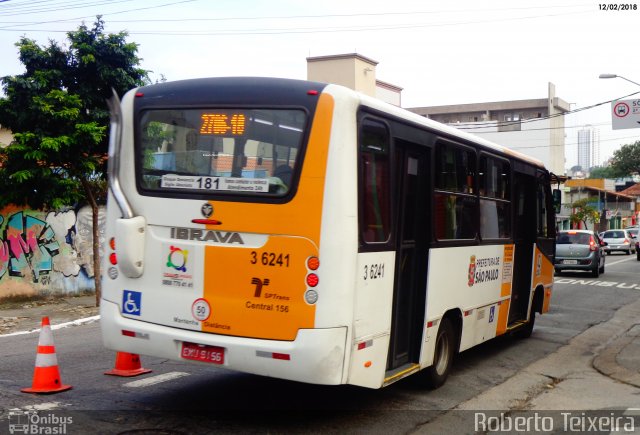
(436, 375)
(526, 330)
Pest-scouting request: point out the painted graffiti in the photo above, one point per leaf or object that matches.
(28, 247)
(47, 251)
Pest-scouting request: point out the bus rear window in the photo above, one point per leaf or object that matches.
(226, 151)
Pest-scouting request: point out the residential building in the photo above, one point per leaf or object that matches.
(584, 149)
(588, 148)
(533, 127)
(353, 71)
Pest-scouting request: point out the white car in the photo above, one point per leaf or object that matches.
(619, 240)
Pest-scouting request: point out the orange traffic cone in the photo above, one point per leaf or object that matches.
(127, 364)
(46, 377)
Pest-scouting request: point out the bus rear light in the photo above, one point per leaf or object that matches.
(112, 243)
(282, 356)
(313, 263)
(273, 355)
(113, 259)
(135, 334)
(311, 296)
(365, 344)
(312, 280)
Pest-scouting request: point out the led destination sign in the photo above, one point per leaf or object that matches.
(223, 124)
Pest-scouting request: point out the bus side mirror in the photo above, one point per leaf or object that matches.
(557, 198)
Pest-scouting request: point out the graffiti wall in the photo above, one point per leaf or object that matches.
(47, 252)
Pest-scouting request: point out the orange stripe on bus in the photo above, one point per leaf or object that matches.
(503, 317)
(302, 215)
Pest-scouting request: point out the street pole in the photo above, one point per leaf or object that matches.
(613, 76)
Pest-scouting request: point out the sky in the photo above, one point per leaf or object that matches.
(440, 53)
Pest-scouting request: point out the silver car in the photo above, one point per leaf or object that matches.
(619, 240)
(579, 250)
(635, 232)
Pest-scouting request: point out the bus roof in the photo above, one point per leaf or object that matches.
(449, 131)
(257, 90)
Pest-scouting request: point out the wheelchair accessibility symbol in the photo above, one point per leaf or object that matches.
(131, 302)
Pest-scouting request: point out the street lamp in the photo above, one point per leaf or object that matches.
(613, 76)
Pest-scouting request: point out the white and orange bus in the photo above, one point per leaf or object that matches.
(303, 231)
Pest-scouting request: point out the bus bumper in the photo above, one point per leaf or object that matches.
(316, 355)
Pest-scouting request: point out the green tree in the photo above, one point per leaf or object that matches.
(584, 212)
(626, 160)
(606, 172)
(58, 115)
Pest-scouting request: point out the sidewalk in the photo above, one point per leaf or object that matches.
(593, 379)
(27, 315)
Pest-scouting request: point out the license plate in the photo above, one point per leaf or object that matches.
(570, 261)
(201, 352)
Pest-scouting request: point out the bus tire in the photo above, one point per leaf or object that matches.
(436, 375)
(526, 330)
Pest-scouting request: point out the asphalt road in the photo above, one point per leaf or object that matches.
(185, 398)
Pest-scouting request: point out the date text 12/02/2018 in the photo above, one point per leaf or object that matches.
(618, 7)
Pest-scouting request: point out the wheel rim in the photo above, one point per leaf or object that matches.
(442, 349)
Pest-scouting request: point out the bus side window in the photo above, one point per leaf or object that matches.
(495, 206)
(456, 203)
(375, 220)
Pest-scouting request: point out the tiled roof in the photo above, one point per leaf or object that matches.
(633, 190)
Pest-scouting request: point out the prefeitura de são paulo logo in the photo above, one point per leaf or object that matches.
(472, 271)
(482, 270)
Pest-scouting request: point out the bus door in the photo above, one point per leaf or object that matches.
(524, 238)
(412, 242)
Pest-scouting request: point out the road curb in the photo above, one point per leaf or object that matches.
(572, 363)
(606, 361)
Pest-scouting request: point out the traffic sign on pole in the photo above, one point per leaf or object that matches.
(625, 114)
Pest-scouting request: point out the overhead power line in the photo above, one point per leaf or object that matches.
(298, 30)
(76, 6)
(494, 124)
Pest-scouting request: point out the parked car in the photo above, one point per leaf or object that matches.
(579, 250)
(619, 240)
(635, 231)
